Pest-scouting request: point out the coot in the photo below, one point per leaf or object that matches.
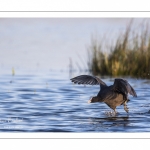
(113, 95)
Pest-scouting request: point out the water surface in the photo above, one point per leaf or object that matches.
(51, 103)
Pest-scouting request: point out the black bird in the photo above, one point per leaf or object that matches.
(113, 95)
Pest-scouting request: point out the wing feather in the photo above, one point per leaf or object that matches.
(122, 86)
(87, 79)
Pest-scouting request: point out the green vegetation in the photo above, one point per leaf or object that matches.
(13, 71)
(128, 56)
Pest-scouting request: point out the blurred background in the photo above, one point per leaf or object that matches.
(48, 44)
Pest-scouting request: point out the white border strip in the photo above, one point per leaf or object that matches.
(76, 135)
(75, 14)
(69, 5)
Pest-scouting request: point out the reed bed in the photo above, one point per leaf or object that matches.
(129, 55)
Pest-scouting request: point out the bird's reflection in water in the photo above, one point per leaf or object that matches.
(109, 122)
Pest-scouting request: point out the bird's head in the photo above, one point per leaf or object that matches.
(93, 100)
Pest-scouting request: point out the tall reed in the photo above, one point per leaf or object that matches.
(129, 56)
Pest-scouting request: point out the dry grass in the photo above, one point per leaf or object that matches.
(129, 56)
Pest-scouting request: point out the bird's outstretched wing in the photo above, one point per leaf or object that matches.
(122, 86)
(87, 79)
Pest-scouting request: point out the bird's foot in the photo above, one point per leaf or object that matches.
(126, 108)
(111, 113)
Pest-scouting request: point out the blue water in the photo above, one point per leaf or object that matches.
(51, 103)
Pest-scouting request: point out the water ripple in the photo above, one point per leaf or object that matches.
(50, 103)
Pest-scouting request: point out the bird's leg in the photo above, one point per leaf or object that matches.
(125, 107)
(115, 112)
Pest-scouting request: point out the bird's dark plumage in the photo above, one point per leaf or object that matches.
(86, 79)
(114, 95)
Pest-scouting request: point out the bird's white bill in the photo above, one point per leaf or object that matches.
(89, 101)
